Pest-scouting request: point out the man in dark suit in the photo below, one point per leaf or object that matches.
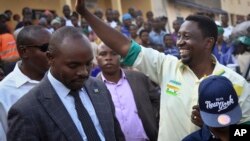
(136, 100)
(67, 104)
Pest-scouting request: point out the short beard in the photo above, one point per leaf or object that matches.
(186, 61)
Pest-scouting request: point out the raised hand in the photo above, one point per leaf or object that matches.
(116, 41)
(80, 6)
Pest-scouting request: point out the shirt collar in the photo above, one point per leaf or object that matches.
(161, 33)
(21, 78)
(217, 69)
(206, 134)
(105, 80)
(59, 87)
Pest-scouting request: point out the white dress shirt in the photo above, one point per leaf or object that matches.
(68, 101)
(14, 86)
(68, 22)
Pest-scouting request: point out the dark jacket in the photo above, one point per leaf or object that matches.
(41, 116)
(147, 100)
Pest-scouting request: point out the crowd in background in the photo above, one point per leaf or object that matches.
(151, 32)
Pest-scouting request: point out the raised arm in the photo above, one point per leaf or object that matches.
(111, 37)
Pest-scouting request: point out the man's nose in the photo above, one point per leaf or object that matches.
(180, 42)
(109, 57)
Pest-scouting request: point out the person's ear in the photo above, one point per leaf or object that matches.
(210, 43)
(22, 50)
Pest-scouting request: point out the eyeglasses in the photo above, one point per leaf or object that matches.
(43, 47)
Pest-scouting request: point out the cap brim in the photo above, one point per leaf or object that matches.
(212, 119)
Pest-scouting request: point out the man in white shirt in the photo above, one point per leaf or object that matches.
(227, 28)
(67, 14)
(32, 44)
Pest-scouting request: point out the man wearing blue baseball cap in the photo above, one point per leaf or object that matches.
(127, 21)
(219, 109)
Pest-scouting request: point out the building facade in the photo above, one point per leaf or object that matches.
(173, 9)
(237, 9)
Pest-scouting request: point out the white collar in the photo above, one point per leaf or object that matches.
(59, 87)
(21, 78)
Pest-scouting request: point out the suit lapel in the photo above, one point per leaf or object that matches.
(93, 92)
(98, 101)
(134, 87)
(132, 82)
(55, 108)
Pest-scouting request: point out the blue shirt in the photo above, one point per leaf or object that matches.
(218, 53)
(95, 71)
(156, 38)
(227, 58)
(68, 102)
(125, 31)
(172, 50)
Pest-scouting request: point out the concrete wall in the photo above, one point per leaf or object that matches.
(103, 5)
(143, 5)
(17, 5)
(209, 3)
(238, 7)
(175, 11)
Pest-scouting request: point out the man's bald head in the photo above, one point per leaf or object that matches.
(70, 57)
(30, 35)
(32, 44)
(61, 35)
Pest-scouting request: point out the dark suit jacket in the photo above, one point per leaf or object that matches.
(41, 116)
(147, 100)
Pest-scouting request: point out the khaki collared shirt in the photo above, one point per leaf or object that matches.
(179, 89)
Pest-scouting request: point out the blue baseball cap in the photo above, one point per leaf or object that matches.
(126, 16)
(218, 102)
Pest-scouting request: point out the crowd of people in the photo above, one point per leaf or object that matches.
(86, 76)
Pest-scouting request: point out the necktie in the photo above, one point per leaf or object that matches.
(83, 115)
